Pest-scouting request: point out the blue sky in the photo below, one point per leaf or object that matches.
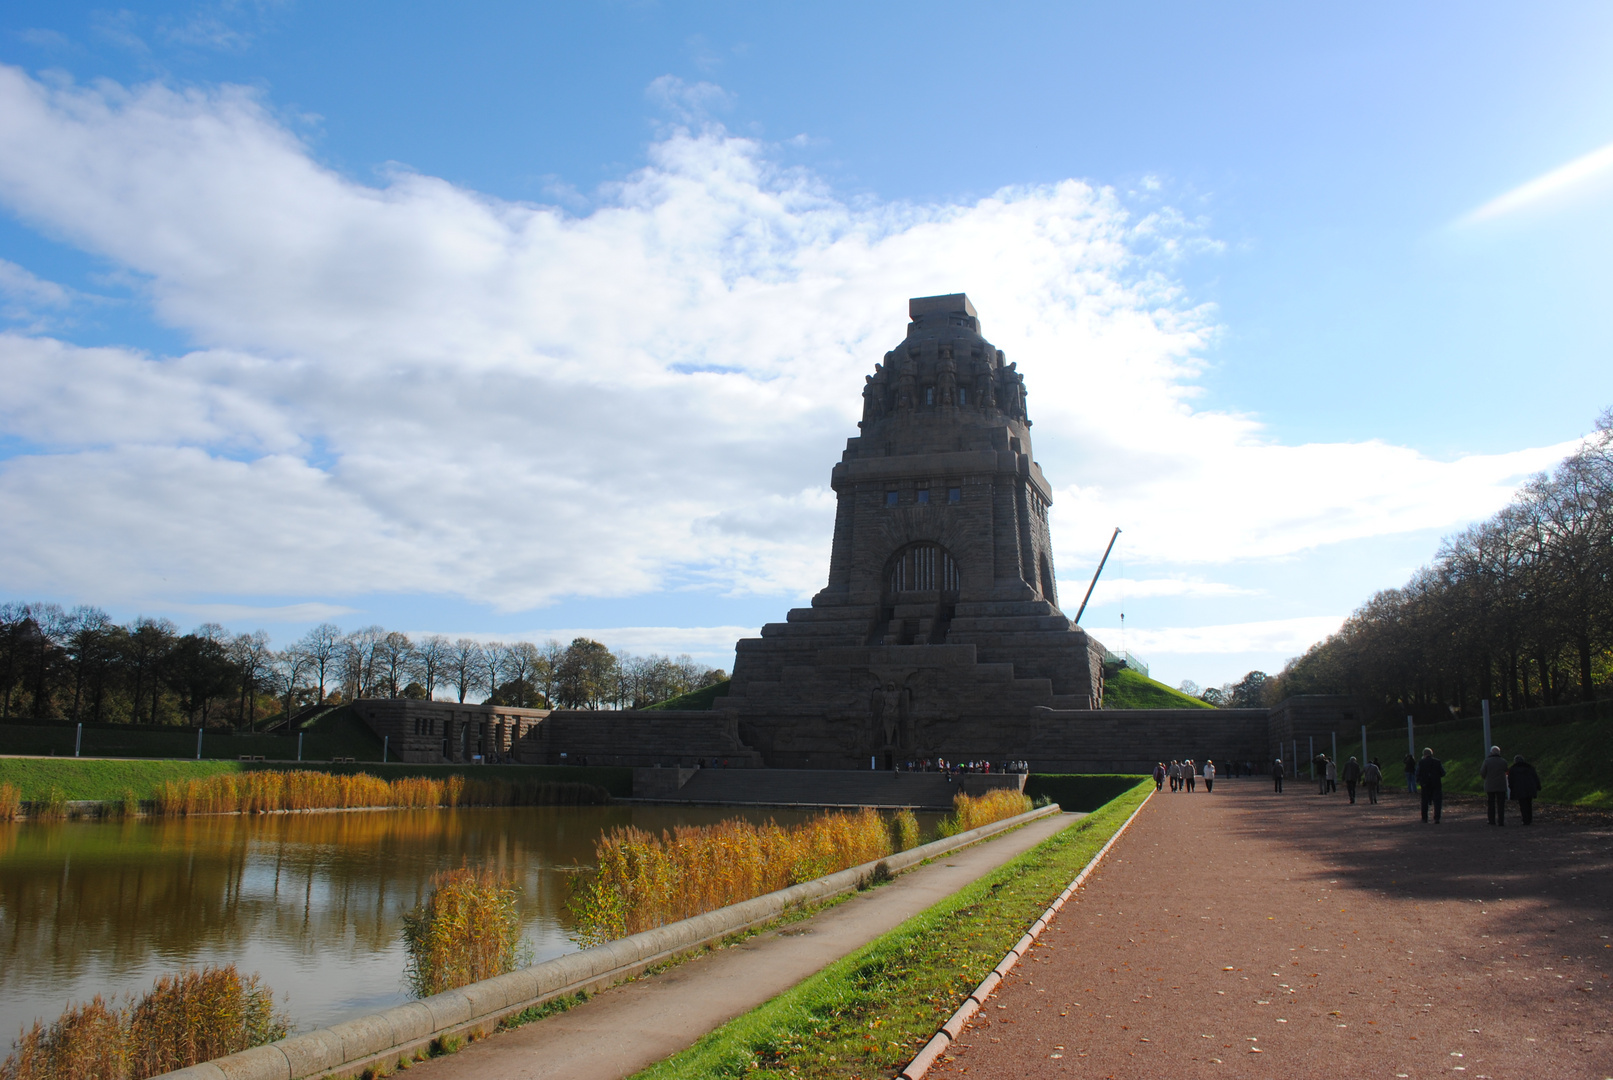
(389, 312)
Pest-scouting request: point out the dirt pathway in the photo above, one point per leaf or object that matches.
(1249, 934)
(629, 1027)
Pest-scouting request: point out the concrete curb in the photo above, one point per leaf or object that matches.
(348, 1048)
(949, 1031)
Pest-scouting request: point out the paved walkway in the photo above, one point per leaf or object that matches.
(631, 1026)
(1249, 934)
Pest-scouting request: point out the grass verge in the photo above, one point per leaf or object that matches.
(703, 698)
(868, 1013)
(1080, 792)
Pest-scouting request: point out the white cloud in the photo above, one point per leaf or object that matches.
(1118, 590)
(1561, 179)
(254, 614)
(1288, 637)
(418, 388)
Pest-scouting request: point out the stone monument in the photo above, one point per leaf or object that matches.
(939, 632)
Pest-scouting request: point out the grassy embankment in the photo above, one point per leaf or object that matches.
(869, 1013)
(106, 780)
(1128, 689)
(703, 698)
(1571, 746)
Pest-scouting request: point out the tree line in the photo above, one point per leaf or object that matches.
(1517, 609)
(79, 665)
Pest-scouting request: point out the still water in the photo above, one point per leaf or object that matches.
(313, 902)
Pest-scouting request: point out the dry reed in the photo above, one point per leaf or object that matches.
(185, 1019)
(10, 802)
(264, 791)
(973, 811)
(904, 830)
(644, 881)
(467, 930)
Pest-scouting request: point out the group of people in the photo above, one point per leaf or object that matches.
(956, 768)
(1184, 775)
(1518, 781)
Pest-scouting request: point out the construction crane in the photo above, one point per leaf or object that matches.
(1099, 570)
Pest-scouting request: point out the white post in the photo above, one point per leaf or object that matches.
(871, 763)
(78, 740)
(385, 739)
(1485, 704)
(1335, 756)
(1411, 739)
(1311, 739)
(198, 744)
(1364, 758)
(299, 746)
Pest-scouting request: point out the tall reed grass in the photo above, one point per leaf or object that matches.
(269, 790)
(468, 929)
(973, 811)
(644, 881)
(183, 1020)
(904, 830)
(10, 802)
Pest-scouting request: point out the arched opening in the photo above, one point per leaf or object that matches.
(923, 568)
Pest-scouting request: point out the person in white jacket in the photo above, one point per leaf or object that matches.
(1209, 776)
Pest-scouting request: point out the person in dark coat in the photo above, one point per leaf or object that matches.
(1409, 763)
(1159, 776)
(1494, 774)
(1351, 777)
(1277, 774)
(1431, 779)
(1525, 785)
(1372, 776)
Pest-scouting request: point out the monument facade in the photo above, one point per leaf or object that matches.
(939, 632)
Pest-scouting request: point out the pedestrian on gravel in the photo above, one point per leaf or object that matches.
(1431, 778)
(1410, 765)
(1209, 777)
(1352, 776)
(1277, 774)
(1176, 774)
(1494, 774)
(1159, 775)
(1525, 784)
(1332, 776)
(1319, 770)
(1372, 777)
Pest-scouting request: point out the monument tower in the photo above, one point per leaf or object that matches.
(939, 631)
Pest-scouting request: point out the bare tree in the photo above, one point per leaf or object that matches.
(523, 664)
(291, 670)
(494, 657)
(431, 658)
(394, 656)
(322, 646)
(465, 667)
(553, 654)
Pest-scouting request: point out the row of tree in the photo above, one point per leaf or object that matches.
(1517, 609)
(80, 665)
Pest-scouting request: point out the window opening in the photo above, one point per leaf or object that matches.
(890, 498)
(924, 568)
(954, 495)
(923, 495)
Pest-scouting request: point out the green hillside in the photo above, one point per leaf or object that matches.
(703, 698)
(1128, 689)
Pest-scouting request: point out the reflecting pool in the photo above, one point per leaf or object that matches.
(313, 902)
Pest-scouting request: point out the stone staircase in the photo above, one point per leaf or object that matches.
(811, 787)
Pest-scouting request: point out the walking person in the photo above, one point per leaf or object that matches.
(1525, 784)
(1277, 774)
(1352, 776)
(1332, 776)
(1176, 774)
(1410, 765)
(1190, 773)
(1431, 778)
(1372, 777)
(1494, 774)
(1320, 765)
(1209, 777)
(1159, 775)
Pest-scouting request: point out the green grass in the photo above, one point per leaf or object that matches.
(703, 698)
(1128, 689)
(107, 779)
(1080, 792)
(868, 1013)
(1570, 747)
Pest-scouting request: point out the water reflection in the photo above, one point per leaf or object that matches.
(313, 901)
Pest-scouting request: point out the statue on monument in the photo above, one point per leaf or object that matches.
(888, 705)
(947, 377)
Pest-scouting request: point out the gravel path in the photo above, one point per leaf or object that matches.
(1245, 933)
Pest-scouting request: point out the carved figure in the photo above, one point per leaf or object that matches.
(985, 388)
(947, 377)
(907, 385)
(888, 706)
